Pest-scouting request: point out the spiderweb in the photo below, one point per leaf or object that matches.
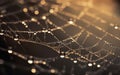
(76, 31)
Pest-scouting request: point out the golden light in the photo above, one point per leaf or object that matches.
(53, 71)
(116, 27)
(70, 22)
(33, 19)
(89, 64)
(49, 32)
(25, 10)
(23, 23)
(1, 15)
(36, 12)
(1, 33)
(26, 26)
(35, 33)
(15, 39)
(98, 66)
(30, 61)
(44, 63)
(62, 56)
(33, 70)
(43, 2)
(36, 62)
(75, 61)
(94, 63)
(43, 17)
(10, 51)
(51, 11)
